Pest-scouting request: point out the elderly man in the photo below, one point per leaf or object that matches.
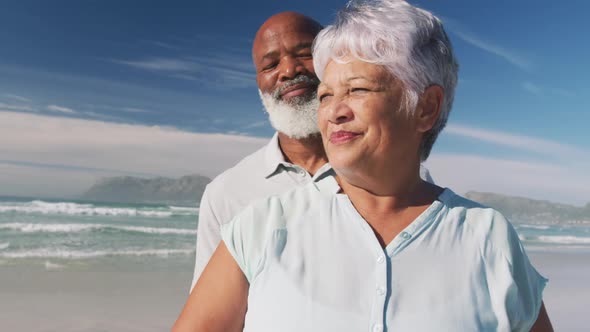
(294, 156)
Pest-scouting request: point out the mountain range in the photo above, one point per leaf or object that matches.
(186, 190)
(189, 189)
(520, 209)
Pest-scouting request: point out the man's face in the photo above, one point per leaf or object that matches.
(285, 75)
(282, 53)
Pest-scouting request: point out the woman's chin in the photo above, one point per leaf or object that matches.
(344, 162)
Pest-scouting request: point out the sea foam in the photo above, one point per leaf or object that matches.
(539, 227)
(78, 254)
(563, 239)
(77, 228)
(66, 208)
(49, 266)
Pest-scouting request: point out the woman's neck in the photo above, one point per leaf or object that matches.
(389, 205)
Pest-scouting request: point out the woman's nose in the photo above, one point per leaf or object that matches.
(341, 112)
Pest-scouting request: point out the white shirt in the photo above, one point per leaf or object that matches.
(261, 174)
(314, 264)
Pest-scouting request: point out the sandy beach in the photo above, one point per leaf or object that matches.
(567, 295)
(96, 299)
(143, 298)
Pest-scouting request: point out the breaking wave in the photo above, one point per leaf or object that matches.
(77, 228)
(563, 239)
(78, 254)
(77, 209)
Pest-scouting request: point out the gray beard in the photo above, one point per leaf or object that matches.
(297, 119)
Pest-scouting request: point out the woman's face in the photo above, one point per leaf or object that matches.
(360, 117)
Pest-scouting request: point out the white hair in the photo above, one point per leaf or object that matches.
(409, 42)
(297, 120)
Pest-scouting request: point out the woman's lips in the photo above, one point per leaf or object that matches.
(340, 137)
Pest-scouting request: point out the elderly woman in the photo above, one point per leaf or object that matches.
(372, 247)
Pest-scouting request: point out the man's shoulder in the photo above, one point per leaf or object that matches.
(249, 169)
(240, 185)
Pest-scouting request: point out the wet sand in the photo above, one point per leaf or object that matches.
(99, 299)
(33, 300)
(567, 295)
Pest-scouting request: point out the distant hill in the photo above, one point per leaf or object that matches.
(186, 190)
(520, 209)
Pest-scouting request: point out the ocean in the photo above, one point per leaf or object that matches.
(59, 234)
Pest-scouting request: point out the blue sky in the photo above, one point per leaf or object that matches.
(518, 126)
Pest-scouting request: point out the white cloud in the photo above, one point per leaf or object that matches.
(532, 88)
(235, 60)
(187, 77)
(561, 175)
(25, 181)
(543, 90)
(162, 44)
(16, 97)
(511, 56)
(125, 109)
(54, 156)
(257, 124)
(536, 180)
(61, 109)
(161, 64)
(135, 110)
(222, 70)
(96, 147)
(12, 107)
(527, 143)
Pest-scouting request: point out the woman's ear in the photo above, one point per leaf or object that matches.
(429, 106)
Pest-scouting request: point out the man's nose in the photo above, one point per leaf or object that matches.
(290, 67)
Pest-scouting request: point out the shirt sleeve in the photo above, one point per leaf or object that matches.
(248, 234)
(516, 288)
(208, 236)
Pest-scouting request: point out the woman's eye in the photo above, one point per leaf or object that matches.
(359, 90)
(324, 97)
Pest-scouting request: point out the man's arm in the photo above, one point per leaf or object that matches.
(219, 300)
(542, 324)
(208, 236)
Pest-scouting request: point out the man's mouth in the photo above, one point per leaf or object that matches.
(296, 90)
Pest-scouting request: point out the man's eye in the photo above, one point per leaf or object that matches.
(304, 55)
(269, 66)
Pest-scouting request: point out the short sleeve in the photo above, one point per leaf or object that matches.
(208, 237)
(237, 243)
(516, 288)
(246, 235)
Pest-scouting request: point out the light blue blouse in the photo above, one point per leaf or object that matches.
(314, 264)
